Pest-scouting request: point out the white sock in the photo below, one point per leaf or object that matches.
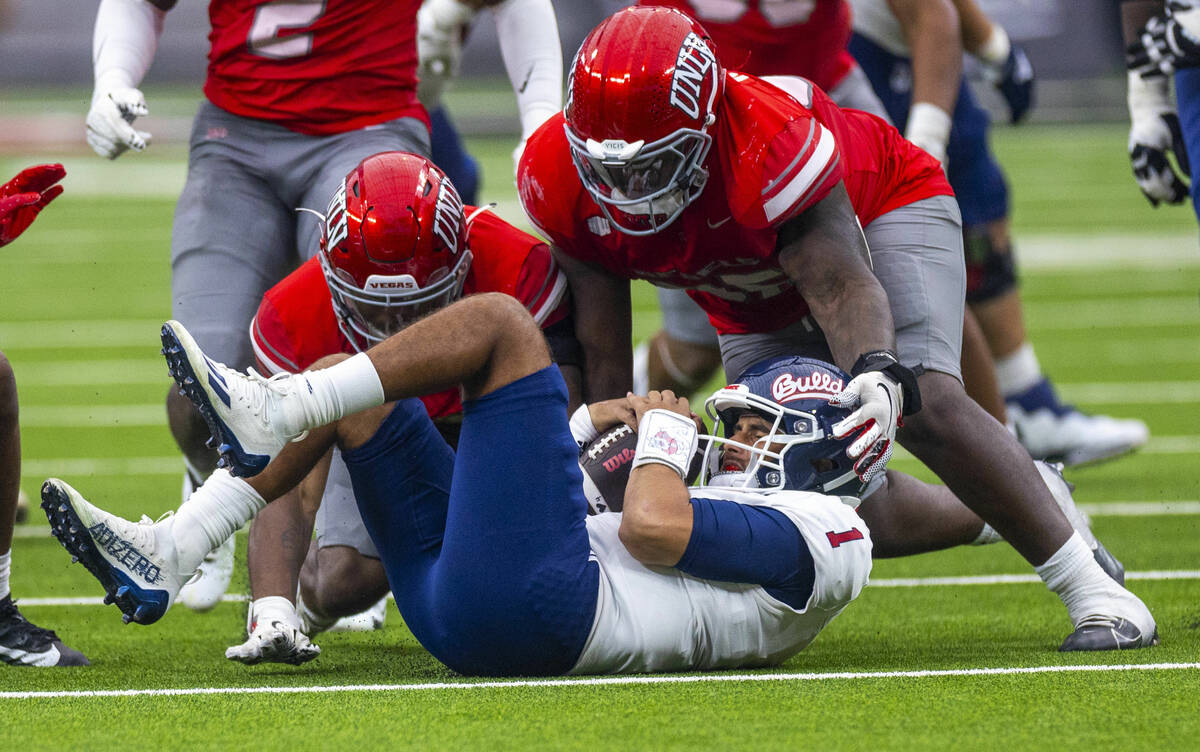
(340, 390)
(5, 568)
(272, 608)
(1073, 574)
(213, 513)
(1018, 371)
(987, 536)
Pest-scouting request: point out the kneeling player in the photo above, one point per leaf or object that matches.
(397, 244)
(495, 566)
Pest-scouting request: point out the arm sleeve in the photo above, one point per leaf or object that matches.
(124, 42)
(734, 542)
(528, 34)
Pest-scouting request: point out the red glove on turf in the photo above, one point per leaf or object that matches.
(24, 196)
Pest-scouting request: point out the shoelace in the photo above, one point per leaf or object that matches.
(258, 400)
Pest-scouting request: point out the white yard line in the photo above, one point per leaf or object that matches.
(899, 582)
(607, 681)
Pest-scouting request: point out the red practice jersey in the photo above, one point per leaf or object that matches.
(295, 324)
(315, 66)
(775, 153)
(776, 37)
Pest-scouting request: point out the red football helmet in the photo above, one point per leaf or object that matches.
(643, 91)
(394, 246)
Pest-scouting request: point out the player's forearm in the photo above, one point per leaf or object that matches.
(931, 28)
(124, 41)
(279, 541)
(824, 253)
(656, 522)
(529, 44)
(974, 24)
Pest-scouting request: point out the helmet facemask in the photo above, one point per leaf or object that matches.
(778, 460)
(388, 304)
(643, 188)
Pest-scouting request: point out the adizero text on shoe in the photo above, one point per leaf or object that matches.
(1107, 634)
(23, 643)
(235, 406)
(129, 559)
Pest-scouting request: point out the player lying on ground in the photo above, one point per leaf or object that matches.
(22, 643)
(491, 570)
(495, 566)
(397, 244)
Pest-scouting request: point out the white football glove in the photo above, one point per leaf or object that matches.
(274, 641)
(440, 25)
(1153, 132)
(110, 130)
(880, 402)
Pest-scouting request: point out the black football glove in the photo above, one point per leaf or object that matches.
(1163, 47)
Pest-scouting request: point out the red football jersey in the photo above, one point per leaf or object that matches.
(776, 37)
(776, 154)
(295, 324)
(315, 66)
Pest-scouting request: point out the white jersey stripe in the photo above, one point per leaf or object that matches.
(812, 130)
(260, 352)
(800, 185)
(551, 300)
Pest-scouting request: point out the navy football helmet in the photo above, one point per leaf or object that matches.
(799, 451)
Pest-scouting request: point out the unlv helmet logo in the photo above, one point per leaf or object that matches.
(695, 62)
(335, 218)
(786, 388)
(448, 217)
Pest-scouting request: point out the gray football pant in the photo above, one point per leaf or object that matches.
(237, 231)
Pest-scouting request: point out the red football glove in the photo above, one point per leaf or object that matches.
(24, 196)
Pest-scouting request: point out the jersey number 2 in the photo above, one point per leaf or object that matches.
(285, 15)
(837, 539)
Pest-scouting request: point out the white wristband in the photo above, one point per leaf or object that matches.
(666, 438)
(582, 428)
(995, 50)
(929, 128)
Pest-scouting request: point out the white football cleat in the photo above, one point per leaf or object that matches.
(247, 414)
(1061, 490)
(363, 621)
(274, 641)
(136, 562)
(1075, 438)
(1121, 622)
(206, 587)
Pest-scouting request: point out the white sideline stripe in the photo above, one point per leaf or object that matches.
(1013, 579)
(54, 335)
(899, 582)
(1109, 251)
(154, 414)
(172, 465)
(101, 372)
(605, 681)
(1140, 508)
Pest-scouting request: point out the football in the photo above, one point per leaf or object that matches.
(606, 463)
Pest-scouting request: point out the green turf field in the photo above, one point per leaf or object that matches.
(963, 662)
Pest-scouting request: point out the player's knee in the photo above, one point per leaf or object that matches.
(991, 268)
(944, 408)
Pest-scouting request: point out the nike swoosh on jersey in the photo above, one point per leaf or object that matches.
(714, 225)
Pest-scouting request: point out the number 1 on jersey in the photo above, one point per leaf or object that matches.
(837, 539)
